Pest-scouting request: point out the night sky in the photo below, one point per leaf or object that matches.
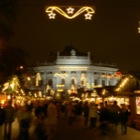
(111, 36)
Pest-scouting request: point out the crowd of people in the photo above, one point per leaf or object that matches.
(103, 115)
(108, 116)
(38, 120)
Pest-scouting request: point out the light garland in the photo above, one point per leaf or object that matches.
(70, 14)
(62, 75)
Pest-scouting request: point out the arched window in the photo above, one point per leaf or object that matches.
(96, 82)
(50, 82)
(103, 82)
(63, 81)
(83, 78)
(82, 82)
(72, 81)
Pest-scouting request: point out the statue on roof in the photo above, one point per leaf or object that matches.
(73, 52)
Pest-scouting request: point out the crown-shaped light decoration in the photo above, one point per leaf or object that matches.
(69, 12)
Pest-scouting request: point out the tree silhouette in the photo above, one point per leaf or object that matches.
(11, 57)
(10, 61)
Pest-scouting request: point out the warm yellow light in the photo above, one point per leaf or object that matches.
(69, 91)
(38, 78)
(86, 95)
(40, 94)
(139, 30)
(2, 102)
(35, 94)
(21, 90)
(82, 95)
(61, 85)
(12, 85)
(62, 75)
(21, 67)
(103, 92)
(112, 98)
(28, 78)
(70, 12)
(9, 97)
(58, 95)
(94, 93)
(60, 90)
(92, 99)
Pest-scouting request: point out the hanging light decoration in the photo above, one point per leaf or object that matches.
(70, 12)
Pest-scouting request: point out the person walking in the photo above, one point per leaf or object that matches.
(124, 113)
(40, 131)
(2, 119)
(86, 114)
(92, 115)
(70, 112)
(114, 112)
(104, 119)
(52, 117)
(9, 119)
(24, 123)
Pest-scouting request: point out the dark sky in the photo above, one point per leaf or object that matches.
(111, 36)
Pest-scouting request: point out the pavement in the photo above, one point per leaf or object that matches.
(76, 131)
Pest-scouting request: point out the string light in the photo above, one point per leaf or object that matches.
(69, 12)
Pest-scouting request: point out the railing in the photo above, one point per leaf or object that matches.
(75, 57)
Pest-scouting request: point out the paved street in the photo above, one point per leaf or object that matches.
(77, 131)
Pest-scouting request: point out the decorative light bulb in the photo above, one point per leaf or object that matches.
(88, 16)
(70, 10)
(52, 15)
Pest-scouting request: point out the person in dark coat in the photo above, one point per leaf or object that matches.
(104, 118)
(114, 112)
(124, 113)
(24, 123)
(2, 119)
(40, 131)
(86, 114)
(9, 119)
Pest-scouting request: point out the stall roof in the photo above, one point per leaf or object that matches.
(106, 91)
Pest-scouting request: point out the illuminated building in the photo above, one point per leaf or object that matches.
(70, 73)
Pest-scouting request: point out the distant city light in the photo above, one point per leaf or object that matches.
(21, 67)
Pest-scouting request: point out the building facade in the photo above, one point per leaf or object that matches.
(68, 74)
